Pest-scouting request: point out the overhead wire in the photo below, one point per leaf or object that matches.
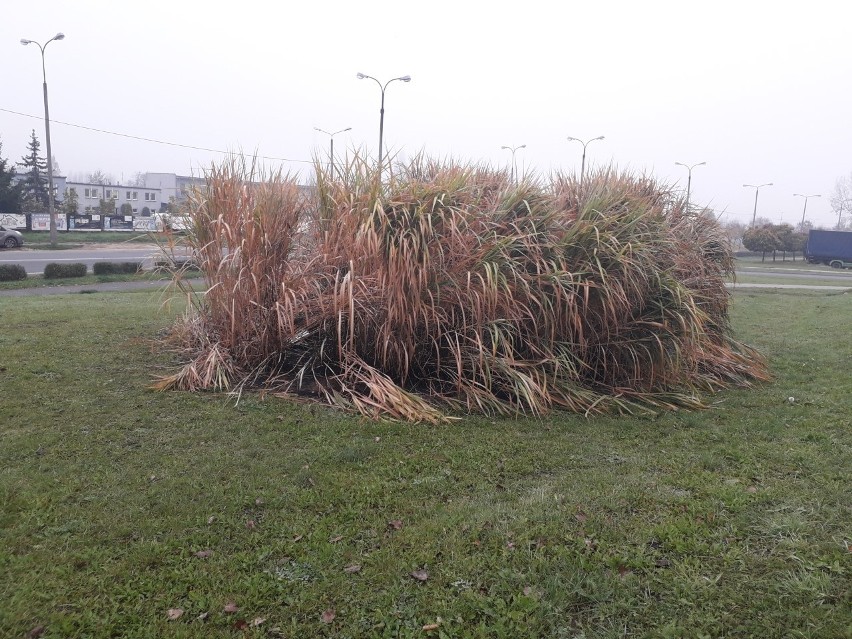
(144, 139)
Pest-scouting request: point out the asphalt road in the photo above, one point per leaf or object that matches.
(34, 261)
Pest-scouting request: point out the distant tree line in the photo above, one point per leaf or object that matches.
(774, 238)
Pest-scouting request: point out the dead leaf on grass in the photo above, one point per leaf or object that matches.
(203, 616)
(258, 621)
(528, 591)
(174, 614)
(429, 627)
(751, 489)
(352, 568)
(580, 516)
(250, 524)
(36, 632)
(328, 615)
(334, 540)
(231, 607)
(204, 554)
(396, 524)
(297, 538)
(420, 575)
(210, 519)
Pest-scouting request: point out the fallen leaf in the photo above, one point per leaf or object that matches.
(528, 591)
(334, 540)
(328, 616)
(250, 524)
(662, 562)
(378, 439)
(211, 519)
(297, 538)
(174, 614)
(510, 545)
(396, 524)
(152, 478)
(352, 568)
(580, 516)
(258, 502)
(36, 632)
(240, 624)
(204, 554)
(258, 621)
(203, 616)
(623, 571)
(420, 575)
(751, 489)
(231, 607)
(429, 627)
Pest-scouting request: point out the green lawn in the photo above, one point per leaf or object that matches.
(119, 504)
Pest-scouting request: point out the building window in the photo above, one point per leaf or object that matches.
(95, 194)
(135, 195)
(128, 196)
(108, 194)
(86, 192)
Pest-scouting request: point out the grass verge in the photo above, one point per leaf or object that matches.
(121, 507)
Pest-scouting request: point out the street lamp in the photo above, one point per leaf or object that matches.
(756, 188)
(331, 152)
(514, 166)
(585, 144)
(24, 41)
(405, 78)
(689, 168)
(806, 206)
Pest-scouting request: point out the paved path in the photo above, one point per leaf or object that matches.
(103, 287)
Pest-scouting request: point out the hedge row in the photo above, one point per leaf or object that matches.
(116, 268)
(55, 271)
(12, 272)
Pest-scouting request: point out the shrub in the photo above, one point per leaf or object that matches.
(443, 286)
(116, 268)
(56, 270)
(12, 272)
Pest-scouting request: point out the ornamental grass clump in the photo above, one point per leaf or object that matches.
(443, 288)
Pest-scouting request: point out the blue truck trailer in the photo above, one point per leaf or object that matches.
(829, 247)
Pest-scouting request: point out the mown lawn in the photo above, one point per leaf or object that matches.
(119, 505)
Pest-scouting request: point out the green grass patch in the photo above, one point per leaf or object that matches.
(73, 239)
(118, 504)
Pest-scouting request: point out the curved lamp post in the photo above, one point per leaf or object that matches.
(331, 151)
(689, 168)
(24, 41)
(756, 188)
(404, 78)
(806, 206)
(514, 166)
(585, 144)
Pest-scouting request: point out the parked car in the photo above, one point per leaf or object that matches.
(10, 238)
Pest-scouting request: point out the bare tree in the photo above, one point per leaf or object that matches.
(138, 179)
(841, 201)
(99, 177)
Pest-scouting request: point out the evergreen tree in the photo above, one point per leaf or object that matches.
(34, 191)
(10, 194)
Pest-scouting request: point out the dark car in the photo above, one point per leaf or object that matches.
(10, 238)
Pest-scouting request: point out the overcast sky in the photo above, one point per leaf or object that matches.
(761, 91)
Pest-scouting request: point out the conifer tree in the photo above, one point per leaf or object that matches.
(34, 190)
(10, 194)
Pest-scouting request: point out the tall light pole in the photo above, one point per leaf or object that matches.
(806, 206)
(585, 144)
(689, 168)
(514, 166)
(331, 152)
(756, 188)
(24, 41)
(404, 78)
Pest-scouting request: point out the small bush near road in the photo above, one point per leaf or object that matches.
(12, 272)
(55, 271)
(116, 268)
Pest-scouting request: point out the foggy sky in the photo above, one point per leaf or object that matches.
(759, 91)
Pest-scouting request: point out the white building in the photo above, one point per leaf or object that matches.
(143, 201)
(174, 186)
